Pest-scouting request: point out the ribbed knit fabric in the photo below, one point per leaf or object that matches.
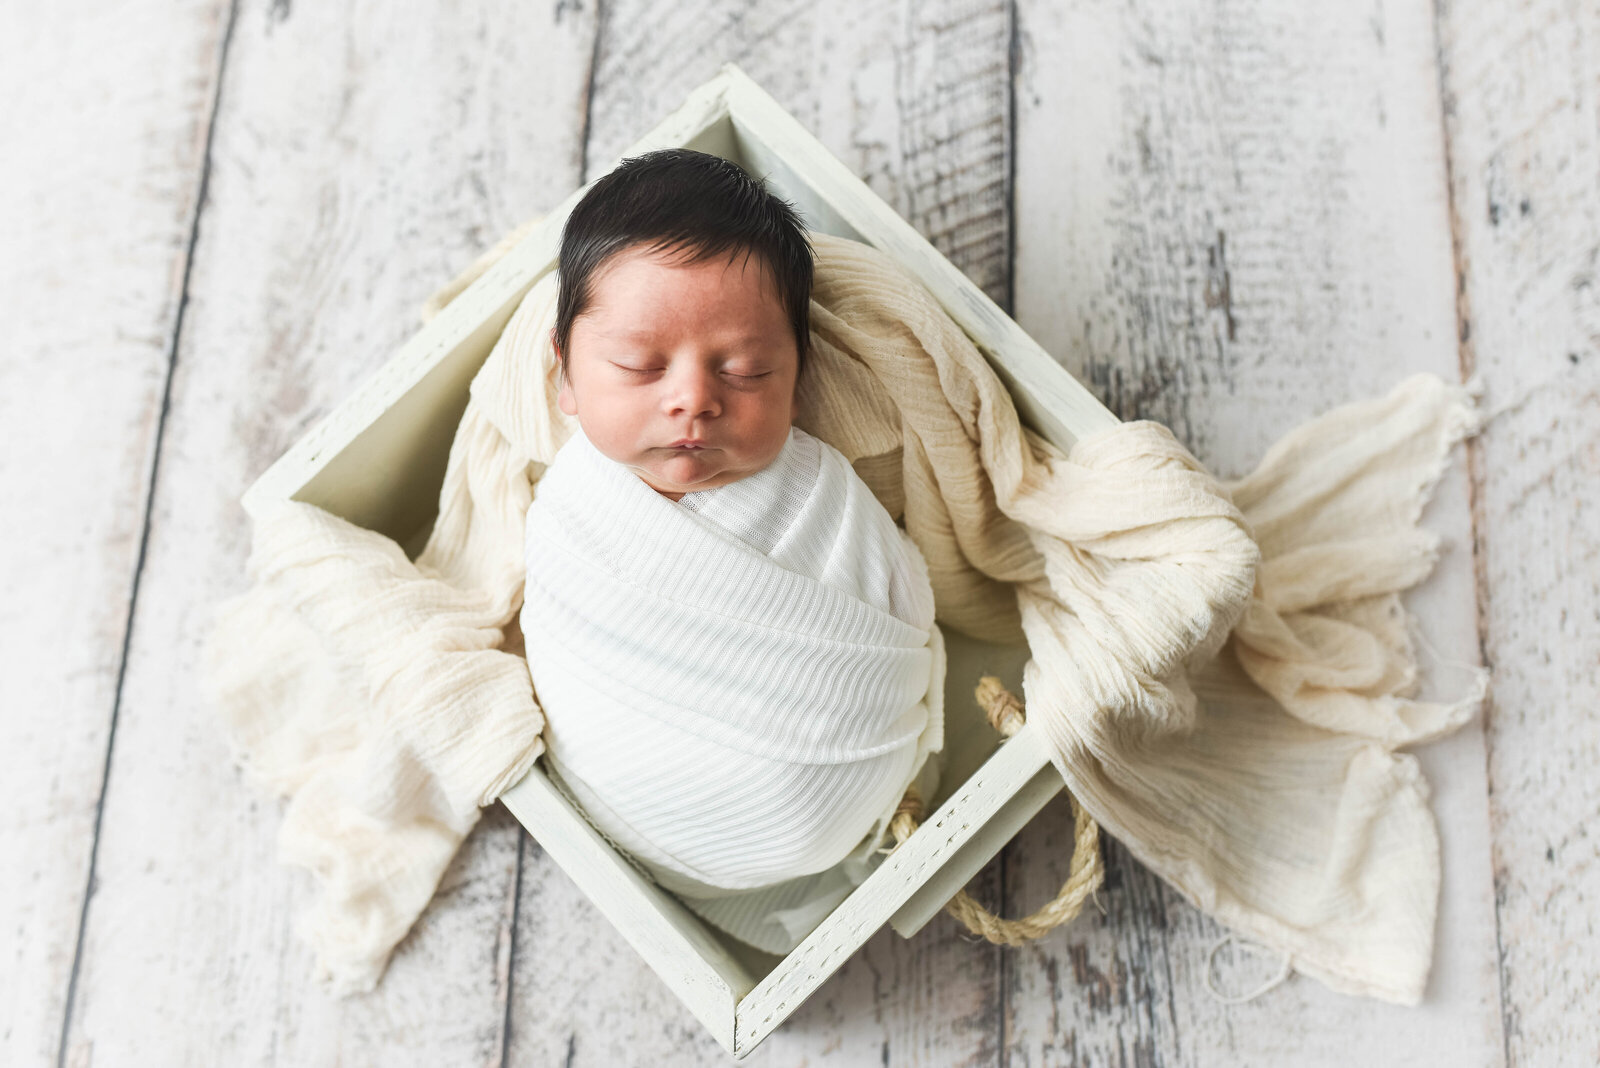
(1260, 779)
(736, 690)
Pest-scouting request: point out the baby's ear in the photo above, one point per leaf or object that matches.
(564, 397)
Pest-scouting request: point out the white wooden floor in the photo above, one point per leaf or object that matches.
(216, 217)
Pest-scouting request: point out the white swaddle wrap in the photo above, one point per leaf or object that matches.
(738, 686)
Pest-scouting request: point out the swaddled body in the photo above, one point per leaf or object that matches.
(731, 640)
(738, 686)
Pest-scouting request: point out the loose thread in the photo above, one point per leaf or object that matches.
(1237, 999)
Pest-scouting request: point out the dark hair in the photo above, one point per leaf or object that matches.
(677, 199)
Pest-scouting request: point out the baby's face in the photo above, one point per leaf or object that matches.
(669, 351)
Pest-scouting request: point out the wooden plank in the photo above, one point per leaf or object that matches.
(1523, 118)
(1228, 219)
(674, 942)
(360, 159)
(937, 890)
(963, 818)
(912, 102)
(100, 187)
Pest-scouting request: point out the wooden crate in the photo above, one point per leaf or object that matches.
(378, 460)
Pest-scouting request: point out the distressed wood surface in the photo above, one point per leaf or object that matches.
(1522, 98)
(93, 250)
(362, 154)
(1226, 217)
(1237, 217)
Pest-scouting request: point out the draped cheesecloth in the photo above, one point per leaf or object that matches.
(1236, 727)
(739, 686)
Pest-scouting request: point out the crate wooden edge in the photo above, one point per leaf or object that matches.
(672, 942)
(930, 898)
(967, 817)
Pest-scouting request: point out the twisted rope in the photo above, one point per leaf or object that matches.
(1005, 713)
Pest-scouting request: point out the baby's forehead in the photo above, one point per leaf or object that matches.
(639, 282)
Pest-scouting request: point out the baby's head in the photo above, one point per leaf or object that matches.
(682, 313)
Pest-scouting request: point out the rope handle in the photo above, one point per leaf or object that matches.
(1005, 713)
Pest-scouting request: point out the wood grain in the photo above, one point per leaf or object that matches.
(103, 134)
(911, 98)
(1522, 97)
(362, 155)
(1230, 218)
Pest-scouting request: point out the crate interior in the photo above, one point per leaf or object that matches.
(388, 474)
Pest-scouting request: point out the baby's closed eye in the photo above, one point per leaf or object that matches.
(746, 373)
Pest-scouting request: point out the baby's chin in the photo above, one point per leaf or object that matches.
(688, 472)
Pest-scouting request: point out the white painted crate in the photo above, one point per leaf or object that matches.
(378, 460)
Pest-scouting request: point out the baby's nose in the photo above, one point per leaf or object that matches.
(696, 392)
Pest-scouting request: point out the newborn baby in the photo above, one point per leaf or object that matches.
(732, 640)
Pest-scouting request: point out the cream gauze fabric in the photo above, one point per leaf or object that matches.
(1235, 726)
(737, 686)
